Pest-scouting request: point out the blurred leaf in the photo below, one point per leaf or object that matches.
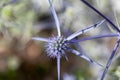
(7, 12)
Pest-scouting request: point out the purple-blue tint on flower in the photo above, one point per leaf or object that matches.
(57, 45)
(110, 59)
(55, 17)
(117, 35)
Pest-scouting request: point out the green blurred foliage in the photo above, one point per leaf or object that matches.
(18, 18)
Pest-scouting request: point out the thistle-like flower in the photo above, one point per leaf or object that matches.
(117, 35)
(57, 45)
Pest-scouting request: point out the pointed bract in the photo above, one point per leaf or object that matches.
(41, 39)
(94, 37)
(55, 17)
(84, 57)
(110, 59)
(84, 30)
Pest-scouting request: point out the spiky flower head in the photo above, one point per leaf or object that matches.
(57, 45)
(118, 41)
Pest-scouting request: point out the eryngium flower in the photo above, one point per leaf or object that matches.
(57, 45)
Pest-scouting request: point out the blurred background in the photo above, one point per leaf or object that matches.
(24, 59)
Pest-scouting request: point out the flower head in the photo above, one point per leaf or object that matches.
(118, 36)
(57, 45)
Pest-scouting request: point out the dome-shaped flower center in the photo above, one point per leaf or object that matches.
(58, 45)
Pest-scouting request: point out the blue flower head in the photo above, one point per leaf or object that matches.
(57, 45)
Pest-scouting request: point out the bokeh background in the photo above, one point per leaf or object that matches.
(24, 59)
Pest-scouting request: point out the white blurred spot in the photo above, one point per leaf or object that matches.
(68, 77)
(116, 4)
